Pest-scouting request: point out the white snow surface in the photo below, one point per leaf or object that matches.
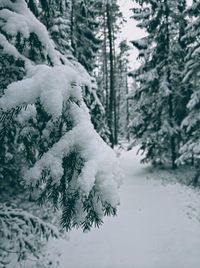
(58, 88)
(20, 19)
(158, 226)
(51, 84)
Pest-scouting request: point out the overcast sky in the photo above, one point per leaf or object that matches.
(130, 31)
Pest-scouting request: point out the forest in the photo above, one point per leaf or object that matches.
(85, 134)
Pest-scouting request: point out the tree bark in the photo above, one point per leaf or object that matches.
(105, 67)
(112, 93)
(127, 108)
(72, 27)
(170, 98)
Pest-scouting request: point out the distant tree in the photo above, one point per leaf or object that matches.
(84, 31)
(190, 148)
(122, 90)
(157, 119)
(106, 65)
(74, 26)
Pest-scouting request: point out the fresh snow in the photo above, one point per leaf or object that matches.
(100, 168)
(55, 83)
(19, 19)
(52, 85)
(158, 226)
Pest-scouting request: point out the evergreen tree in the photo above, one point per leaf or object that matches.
(73, 26)
(85, 26)
(49, 150)
(84, 30)
(106, 69)
(190, 148)
(55, 15)
(122, 89)
(157, 119)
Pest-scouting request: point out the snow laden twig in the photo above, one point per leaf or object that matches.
(56, 150)
(48, 146)
(19, 233)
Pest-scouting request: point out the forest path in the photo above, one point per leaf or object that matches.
(157, 227)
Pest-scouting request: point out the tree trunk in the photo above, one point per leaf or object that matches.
(105, 68)
(119, 87)
(195, 179)
(72, 28)
(170, 99)
(127, 108)
(112, 93)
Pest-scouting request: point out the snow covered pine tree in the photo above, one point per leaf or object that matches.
(74, 30)
(49, 150)
(160, 95)
(190, 149)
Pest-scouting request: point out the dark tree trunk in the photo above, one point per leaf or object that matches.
(105, 68)
(127, 108)
(72, 27)
(112, 93)
(170, 99)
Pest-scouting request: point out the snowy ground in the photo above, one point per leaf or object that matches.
(158, 226)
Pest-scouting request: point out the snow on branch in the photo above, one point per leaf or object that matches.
(19, 232)
(63, 159)
(16, 18)
(52, 85)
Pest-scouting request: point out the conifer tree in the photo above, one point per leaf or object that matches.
(84, 30)
(122, 89)
(73, 26)
(190, 148)
(55, 15)
(49, 150)
(157, 120)
(85, 42)
(106, 75)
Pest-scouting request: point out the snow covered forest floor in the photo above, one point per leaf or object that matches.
(157, 226)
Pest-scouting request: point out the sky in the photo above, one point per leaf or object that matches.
(130, 30)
